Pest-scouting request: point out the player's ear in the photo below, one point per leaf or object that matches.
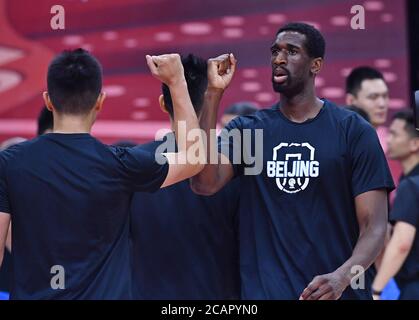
(414, 145)
(162, 104)
(316, 65)
(47, 101)
(99, 102)
(349, 99)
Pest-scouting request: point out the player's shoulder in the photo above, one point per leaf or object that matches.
(14, 151)
(136, 155)
(349, 120)
(343, 114)
(166, 144)
(150, 146)
(410, 184)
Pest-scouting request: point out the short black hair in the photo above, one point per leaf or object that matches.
(195, 69)
(359, 74)
(359, 111)
(241, 109)
(408, 116)
(45, 121)
(315, 43)
(74, 81)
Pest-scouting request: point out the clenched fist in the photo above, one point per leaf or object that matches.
(220, 71)
(167, 68)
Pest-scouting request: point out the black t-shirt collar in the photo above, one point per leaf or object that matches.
(412, 173)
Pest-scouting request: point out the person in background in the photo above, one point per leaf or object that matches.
(45, 124)
(5, 268)
(359, 111)
(367, 90)
(401, 256)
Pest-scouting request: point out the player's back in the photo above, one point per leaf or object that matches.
(69, 198)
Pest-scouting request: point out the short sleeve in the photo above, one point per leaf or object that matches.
(230, 144)
(369, 165)
(4, 197)
(141, 170)
(406, 203)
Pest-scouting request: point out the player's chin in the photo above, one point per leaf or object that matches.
(280, 88)
(380, 121)
(393, 156)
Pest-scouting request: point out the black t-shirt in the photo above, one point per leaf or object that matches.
(185, 246)
(69, 197)
(412, 173)
(406, 209)
(297, 217)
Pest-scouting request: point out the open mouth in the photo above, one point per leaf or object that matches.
(280, 76)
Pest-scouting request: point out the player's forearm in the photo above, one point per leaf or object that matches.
(185, 120)
(393, 260)
(205, 182)
(368, 247)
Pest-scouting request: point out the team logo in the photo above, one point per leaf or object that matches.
(292, 166)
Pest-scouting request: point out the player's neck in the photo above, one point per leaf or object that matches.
(300, 107)
(410, 163)
(72, 124)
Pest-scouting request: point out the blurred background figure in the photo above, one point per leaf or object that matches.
(237, 109)
(359, 111)
(401, 256)
(5, 268)
(44, 125)
(403, 143)
(367, 90)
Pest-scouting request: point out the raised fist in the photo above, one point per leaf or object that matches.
(221, 70)
(167, 68)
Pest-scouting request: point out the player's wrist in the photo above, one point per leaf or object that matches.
(345, 276)
(214, 90)
(177, 83)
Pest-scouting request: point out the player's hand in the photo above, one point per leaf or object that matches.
(167, 68)
(325, 287)
(220, 71)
